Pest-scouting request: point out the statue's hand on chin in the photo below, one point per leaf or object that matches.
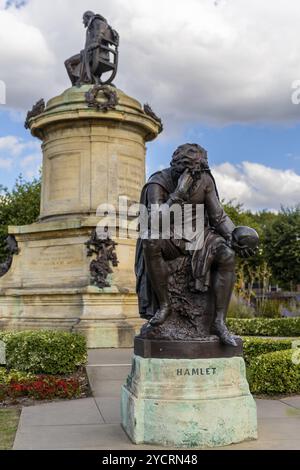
(184, 184)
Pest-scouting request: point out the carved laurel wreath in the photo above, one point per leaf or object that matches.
(110, 95)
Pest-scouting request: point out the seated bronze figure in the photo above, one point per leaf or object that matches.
(186, 294)
(99, 56)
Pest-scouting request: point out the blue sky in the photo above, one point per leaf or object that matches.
(273, 146)
(219, 84)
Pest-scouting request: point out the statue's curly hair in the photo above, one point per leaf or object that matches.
(185, 156)
(88, 13)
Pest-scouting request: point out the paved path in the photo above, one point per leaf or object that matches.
(94, 423)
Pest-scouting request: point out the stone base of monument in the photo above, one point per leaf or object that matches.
(198, 402)
(49, 286)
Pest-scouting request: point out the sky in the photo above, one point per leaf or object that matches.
(221, 73)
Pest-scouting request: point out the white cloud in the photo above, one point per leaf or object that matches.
(16, 153)
(5, 163)
(257, 186)
(31, 165)
(15, 146)
(192, 60)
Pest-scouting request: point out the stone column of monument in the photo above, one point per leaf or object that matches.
(62, 276)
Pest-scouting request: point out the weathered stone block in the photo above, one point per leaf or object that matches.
(188, 402)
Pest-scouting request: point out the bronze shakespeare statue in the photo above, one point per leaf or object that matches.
(100, 54)
(185, 294)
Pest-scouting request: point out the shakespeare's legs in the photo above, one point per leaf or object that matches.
(223, 278)
(72, 65)
(158, 272)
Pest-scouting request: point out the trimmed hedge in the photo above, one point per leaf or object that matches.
(44, 352)
(254, 347)
(275, 373)
(265, 326)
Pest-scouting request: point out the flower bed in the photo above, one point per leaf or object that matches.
(41, 388)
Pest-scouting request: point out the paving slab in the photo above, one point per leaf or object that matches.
(110, 409)
(70, 437)
(273, 409)
(110, 356)
(108, 372)
(283, 429)
(274, 433)
(292, 401)
(83, 411)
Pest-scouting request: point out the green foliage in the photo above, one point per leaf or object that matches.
(13, 376)
(282, 246)
(278, 257)
(20, 206)
(47, 352)
(275, 373)
(289, 327)
(256, 268)
(9, 419)
(238, 308)
(254, 347)
(269, 308)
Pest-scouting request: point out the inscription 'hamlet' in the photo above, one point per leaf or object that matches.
(197, 371)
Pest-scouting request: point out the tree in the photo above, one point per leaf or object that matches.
(282, 247)
(255, 269)
(20, 206)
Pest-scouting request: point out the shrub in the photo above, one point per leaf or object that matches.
(46, 352)
(269, 308)
(13, 376)
(254, 347)
(275, 373)
(239, 309)
(265, 326)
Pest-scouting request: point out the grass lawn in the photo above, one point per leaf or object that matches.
(9, 419)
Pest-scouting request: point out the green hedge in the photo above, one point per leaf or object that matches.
(44, 352)
(264, 326)
(275, 373)
(254, 347)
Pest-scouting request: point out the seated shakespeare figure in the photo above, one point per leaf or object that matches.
(100, 54)
(212, 264)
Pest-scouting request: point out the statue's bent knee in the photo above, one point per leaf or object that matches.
(226, 257)
(152, 247)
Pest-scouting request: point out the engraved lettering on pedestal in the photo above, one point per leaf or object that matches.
(57, 257)
(131, 178)
(196, 371)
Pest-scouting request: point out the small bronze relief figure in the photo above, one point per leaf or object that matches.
(185, 293)
(100, 54)
(100, 267)
(37, 109)
(149, 111)
(11, 249)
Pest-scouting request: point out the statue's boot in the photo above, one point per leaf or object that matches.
(223, 282)
(161, 315)
(221, 330)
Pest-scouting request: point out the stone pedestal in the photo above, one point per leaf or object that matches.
(188, 402)
(90, 157)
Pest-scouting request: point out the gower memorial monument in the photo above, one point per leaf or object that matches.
(60, 274)
(188, 384)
